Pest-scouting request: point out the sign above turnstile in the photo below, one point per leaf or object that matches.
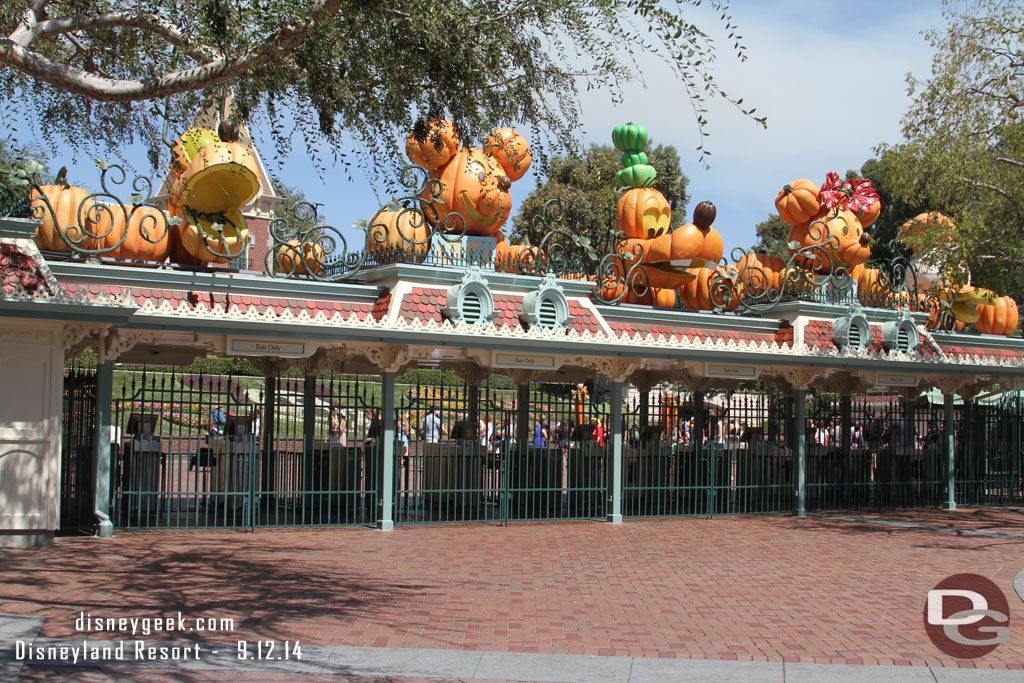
(266, 347)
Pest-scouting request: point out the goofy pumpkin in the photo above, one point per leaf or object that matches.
(671, 258)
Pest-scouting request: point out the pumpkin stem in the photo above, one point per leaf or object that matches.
(787, 188)
(62, 178)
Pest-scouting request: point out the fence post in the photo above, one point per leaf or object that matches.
(645, 409)
(615, 466)
(800, 453)
(308, 456)
(949, 451)
(386, 451)
(101, 447)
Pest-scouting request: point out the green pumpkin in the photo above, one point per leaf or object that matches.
(638, 175)
(630, 137)
(633, 159)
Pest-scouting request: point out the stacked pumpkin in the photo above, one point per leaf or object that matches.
(214, 178)
(672, 258)
(831, 218)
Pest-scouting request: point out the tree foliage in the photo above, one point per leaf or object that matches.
(964, 150)
(337, 71)
(18, 164)
(584, 184)
(772, 236)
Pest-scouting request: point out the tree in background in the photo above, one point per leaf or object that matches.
(339, 70)
(584, 185)
(965, 140)
(772, 237)
(18, 163)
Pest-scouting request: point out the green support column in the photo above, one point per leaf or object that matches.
(909, 419)
(101, 447)
(386, 453)
(800, 454)
(614, 469)
(949, 450)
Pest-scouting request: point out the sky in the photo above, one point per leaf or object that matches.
(830, 77)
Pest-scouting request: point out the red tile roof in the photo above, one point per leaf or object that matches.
(17, 268)
(243, 302)
(691, 333)
(1005, 354)
(383, 304)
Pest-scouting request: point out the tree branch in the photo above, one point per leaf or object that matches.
(82, 82)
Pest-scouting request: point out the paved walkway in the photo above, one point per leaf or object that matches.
(740, 598)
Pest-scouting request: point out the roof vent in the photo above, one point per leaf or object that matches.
(852, 330)
(900, 334)
(470, 301)
(546, 307)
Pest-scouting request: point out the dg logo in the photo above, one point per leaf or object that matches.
(967, 616)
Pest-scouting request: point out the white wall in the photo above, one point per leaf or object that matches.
(31, 392)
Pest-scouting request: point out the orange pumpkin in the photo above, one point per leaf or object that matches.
(870, 289)
(761, 275)
(699, 295)
(510, 258)
(437, 148)
(655, 296)
(200, 239)
(795, 281)
(72, 210)
(868, 217)
(1000, 317)
(148, 233)
(300, 258)
(511, 150)
(187, 146)
(797, 202)
(398, 232)
(221, 177)
(913, 230)
(472, 187)
(935, 312)
(643, 213)
(840, 223)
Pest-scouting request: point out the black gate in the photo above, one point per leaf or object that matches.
(77, 437)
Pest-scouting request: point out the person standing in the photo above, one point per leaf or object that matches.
(540, 435)
(598, 437)
(432, 428)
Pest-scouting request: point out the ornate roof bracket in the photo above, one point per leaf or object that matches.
(615, 369)
(388, 357)
(792, 378)
(845, 383)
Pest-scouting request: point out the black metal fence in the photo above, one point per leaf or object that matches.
(78, 433)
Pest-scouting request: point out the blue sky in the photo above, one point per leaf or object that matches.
(830, 77)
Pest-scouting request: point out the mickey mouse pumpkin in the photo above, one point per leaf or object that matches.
(475, 182)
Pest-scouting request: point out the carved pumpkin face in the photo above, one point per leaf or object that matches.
(644, 213)
(473, 185)
(840, 224)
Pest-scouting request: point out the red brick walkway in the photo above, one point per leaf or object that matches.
(765, 588)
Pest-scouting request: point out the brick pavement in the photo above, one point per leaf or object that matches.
(766, 588)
